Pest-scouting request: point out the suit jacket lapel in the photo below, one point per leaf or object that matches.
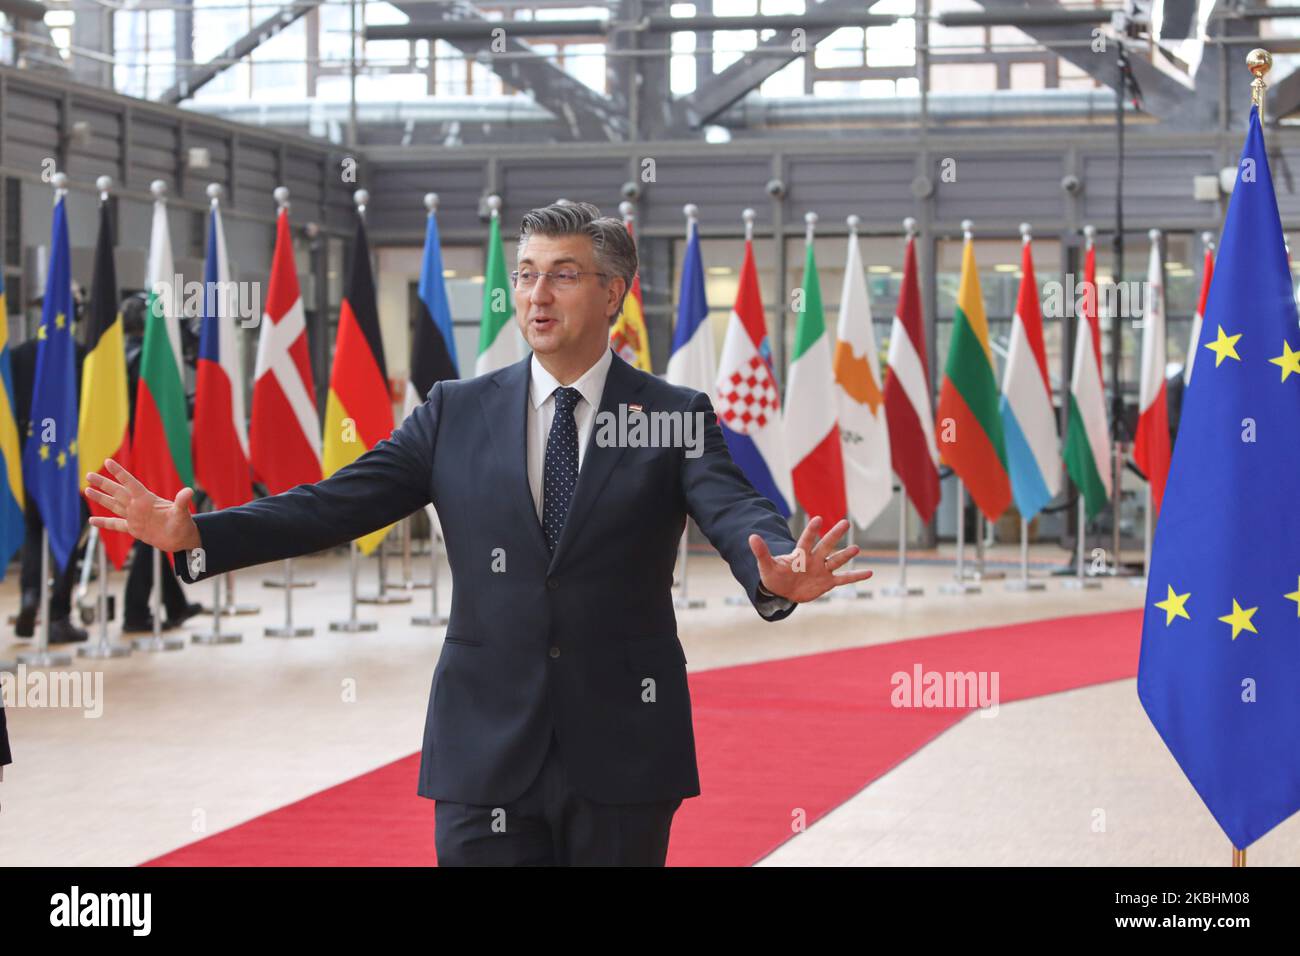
(621, 385)
(506, 409)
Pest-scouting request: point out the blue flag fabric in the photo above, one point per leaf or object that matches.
(1219, 674)
(50, 469)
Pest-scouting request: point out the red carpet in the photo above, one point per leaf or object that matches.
(803, 733)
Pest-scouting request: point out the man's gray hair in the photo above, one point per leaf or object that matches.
(615, 252)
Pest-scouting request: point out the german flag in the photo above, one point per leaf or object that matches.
(104, 426)
(359, 410)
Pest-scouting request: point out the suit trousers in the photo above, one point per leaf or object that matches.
(552, 825)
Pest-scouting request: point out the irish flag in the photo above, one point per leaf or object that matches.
(499, 341)
(812, 435)
(161, 443)
(969, 422)
(1151, 446)
(1207, 273)
(1087, 438)
(1028, 419)
(860, 401)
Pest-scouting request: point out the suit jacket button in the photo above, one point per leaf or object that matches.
(552, 584)
(555, 652)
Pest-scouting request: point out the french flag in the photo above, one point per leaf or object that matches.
(692, 361)
(748, 400)
(220, 442)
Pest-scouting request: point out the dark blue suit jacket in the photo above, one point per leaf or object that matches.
(536, 641)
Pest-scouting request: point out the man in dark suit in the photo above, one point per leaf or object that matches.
(559, 720)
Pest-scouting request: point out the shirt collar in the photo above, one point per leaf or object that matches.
(591, 384)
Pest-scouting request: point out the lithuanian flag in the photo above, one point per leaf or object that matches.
(359, 410)
(968, 423)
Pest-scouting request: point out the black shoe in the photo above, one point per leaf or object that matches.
(191, 609)
(63, 631)
(25, 621)
(144, 626)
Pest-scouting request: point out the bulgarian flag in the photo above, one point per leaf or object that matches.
(104, 429)
(1151, 446)
(969, 423)
(907, 396)
(161, 443)
(628, 335)
(1087, 439)
(499, 341)
(359, 410)
(812, 435)
(1206, 274)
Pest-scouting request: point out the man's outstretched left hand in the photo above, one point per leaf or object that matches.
(807, 572)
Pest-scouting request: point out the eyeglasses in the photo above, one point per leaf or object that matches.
(564, 279)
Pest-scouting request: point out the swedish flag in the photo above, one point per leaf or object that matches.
(50, 467)
(1219, 674)
(11, 469)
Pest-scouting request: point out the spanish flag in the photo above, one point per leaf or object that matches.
(104, 429)
(969, 424)
(628, 335)
(11, 466)
(359, 410)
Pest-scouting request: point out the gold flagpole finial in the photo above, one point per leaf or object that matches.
(1260, 62)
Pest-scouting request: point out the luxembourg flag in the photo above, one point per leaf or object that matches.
(1028, 421)
(748, 400)
(692, 362)
(220, 440)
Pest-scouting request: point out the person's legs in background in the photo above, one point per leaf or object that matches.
(137, 615)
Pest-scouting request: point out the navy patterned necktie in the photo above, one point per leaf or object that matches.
(560, 473)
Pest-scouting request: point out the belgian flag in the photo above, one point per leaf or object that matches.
(359, 410)
(104, 428)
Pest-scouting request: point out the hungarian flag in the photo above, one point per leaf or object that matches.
(907, 397)
(284, 432)
(1087, 438)
(628, 335)
(104, 430)
(12, 501)
(748, 399)
(1207, 273)
(969, 423)
(812, 436)
(1151, 448)
(499, 341)
(863, 430)
(359, 410)
(1028, 418)
(160, 447)
(220, 433)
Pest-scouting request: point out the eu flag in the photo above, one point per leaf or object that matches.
(50, 468)
(1220, 668)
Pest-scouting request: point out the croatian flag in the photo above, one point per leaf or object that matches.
(692, 360)
(748, 400)
(220, 440)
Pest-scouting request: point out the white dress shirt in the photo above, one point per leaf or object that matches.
(541, 412)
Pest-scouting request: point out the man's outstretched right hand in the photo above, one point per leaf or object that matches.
(166, 525)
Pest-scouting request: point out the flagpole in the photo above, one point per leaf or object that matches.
(216, 635)
(288, 629)
(42, 656)
(102, 648)
(901, 589)
(233, 607)
(1081, 582)
(683, 599)
(434, 618)
(353, 625)
(960, 585)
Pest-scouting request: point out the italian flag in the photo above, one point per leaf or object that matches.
(161, 442)
(969, 424)
(499, 341)
(812, 434)
(1151, 445)
(1087, 438)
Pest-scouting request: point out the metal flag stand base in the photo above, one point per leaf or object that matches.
(216, 635)
(383, 595)
(1081, 582)
(1140, 581)
(42, 656)
(684, 601)
(901, 589)
(232, 607)
(352, 625)
(1024, 583)
(434, 618)
(157, 642)
(960, 585)
(288, 629)
(101, 649)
